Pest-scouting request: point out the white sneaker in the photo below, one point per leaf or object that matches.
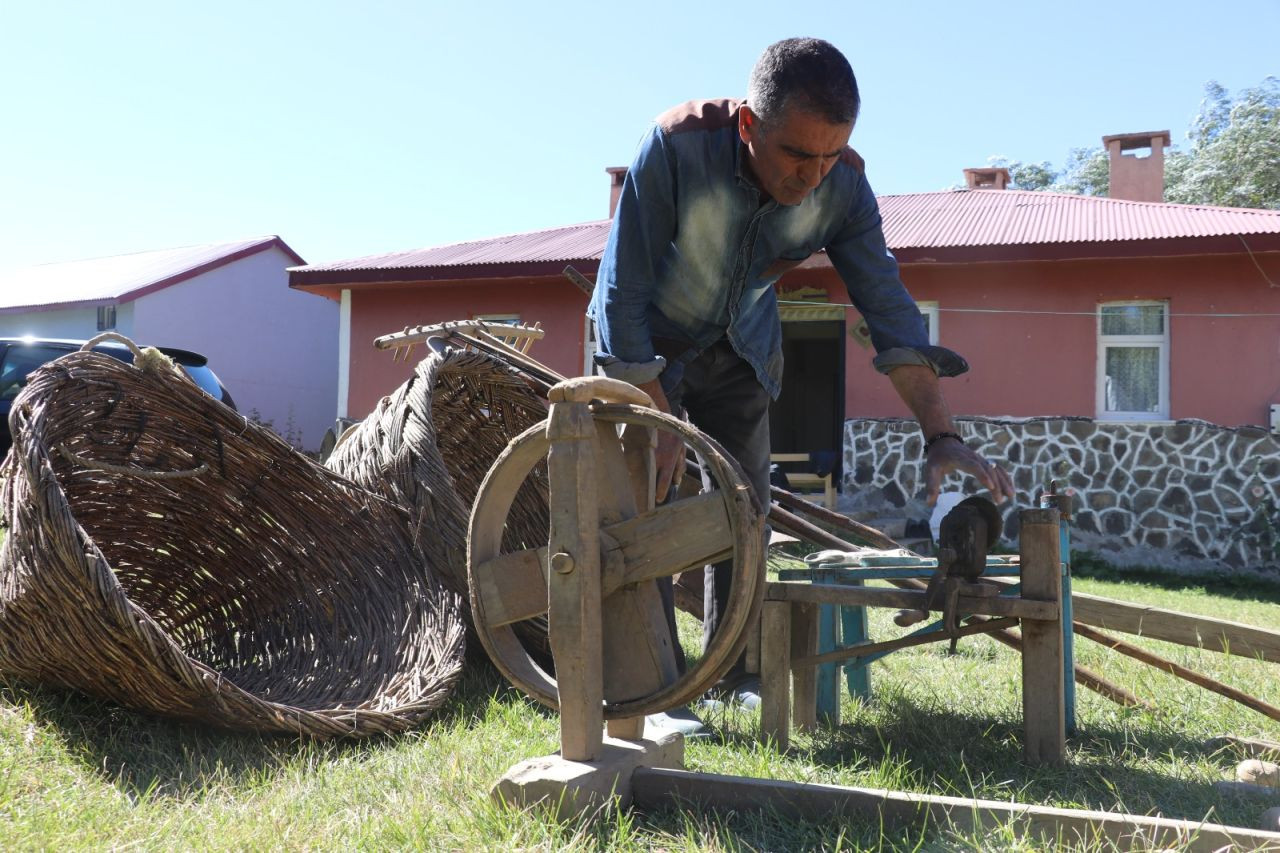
(680, 720)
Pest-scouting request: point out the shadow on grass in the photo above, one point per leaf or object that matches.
(146, 755)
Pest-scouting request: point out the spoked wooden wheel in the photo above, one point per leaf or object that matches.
(607, 546)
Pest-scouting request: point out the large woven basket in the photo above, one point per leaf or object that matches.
(165, 553)
(428, 446)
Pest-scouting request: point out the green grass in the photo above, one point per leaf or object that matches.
(79, 774)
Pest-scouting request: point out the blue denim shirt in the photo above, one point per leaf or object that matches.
(693, 255)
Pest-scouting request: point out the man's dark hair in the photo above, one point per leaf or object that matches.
(805, 73)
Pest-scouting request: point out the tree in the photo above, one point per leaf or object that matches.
(1234, 155)
(1232, 160)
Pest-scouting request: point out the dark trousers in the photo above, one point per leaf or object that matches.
(722, 397)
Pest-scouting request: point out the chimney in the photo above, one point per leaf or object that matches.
(986, 179)
(617, 174)
(1134, 177)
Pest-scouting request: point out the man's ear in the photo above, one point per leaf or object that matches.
(748, 125)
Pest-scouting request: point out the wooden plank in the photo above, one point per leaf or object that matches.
(638, 446)
(573, 610)
(654, 788)
(675, 536)
(775, 673)
(1180, 671)
(1044, 710)
(628, 728)
(804, 677)
(870, 596)
(1175, 627)
(639, 653)
(691, 532)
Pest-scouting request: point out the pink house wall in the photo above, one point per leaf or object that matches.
(1222, 369)
(274, 348)
(378, 310)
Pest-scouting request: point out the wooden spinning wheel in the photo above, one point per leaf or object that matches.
(607, 546)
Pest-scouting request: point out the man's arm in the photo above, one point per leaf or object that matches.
(919, 388)
(870, 273)
(643, 227)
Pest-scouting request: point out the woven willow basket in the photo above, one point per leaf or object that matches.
(428, 446)
(167, 554)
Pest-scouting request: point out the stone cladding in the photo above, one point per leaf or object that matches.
(1186, 495)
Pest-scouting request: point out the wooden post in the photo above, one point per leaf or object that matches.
(804, 688)
(775, 672)
(828, 675)
(853, 630)
(573, 574)
(1043, 693)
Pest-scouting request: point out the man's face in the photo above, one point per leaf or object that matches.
(791, 156)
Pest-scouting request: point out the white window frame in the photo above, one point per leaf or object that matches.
(505, 319)
(930, 311)
(1158, 342)
(589, 346)
(106, 318)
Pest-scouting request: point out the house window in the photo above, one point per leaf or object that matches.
(1133, 361)
(590, 344)
(929, 313)
(508, 319)
(106, 318)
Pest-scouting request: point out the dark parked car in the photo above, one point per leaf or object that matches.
(20, 356)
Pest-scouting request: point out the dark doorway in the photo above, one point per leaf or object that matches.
(808, 416)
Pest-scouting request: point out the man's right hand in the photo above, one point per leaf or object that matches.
(669, 454)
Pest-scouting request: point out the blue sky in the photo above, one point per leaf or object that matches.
(351, 130)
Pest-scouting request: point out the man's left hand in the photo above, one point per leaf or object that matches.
(950, 455)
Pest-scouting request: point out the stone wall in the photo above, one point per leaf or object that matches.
(1187, 495)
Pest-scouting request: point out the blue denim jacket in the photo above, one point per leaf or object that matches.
(693, 255)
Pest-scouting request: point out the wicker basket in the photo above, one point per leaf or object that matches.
(167, 554)
(428, 446)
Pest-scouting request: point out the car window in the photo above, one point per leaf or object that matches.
(18, 363)
(205, 378)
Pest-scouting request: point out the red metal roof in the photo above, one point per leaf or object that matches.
(121, 278)
(960, 220)
(1020, 217)
(567, 243)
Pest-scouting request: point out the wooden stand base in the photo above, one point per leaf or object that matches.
(574, 787)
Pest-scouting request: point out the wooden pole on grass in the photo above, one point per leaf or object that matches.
(1043, 690)
(1177, 669)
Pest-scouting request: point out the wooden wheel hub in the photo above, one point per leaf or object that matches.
(607, 546)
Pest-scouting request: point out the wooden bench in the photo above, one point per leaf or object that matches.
(790, 641)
